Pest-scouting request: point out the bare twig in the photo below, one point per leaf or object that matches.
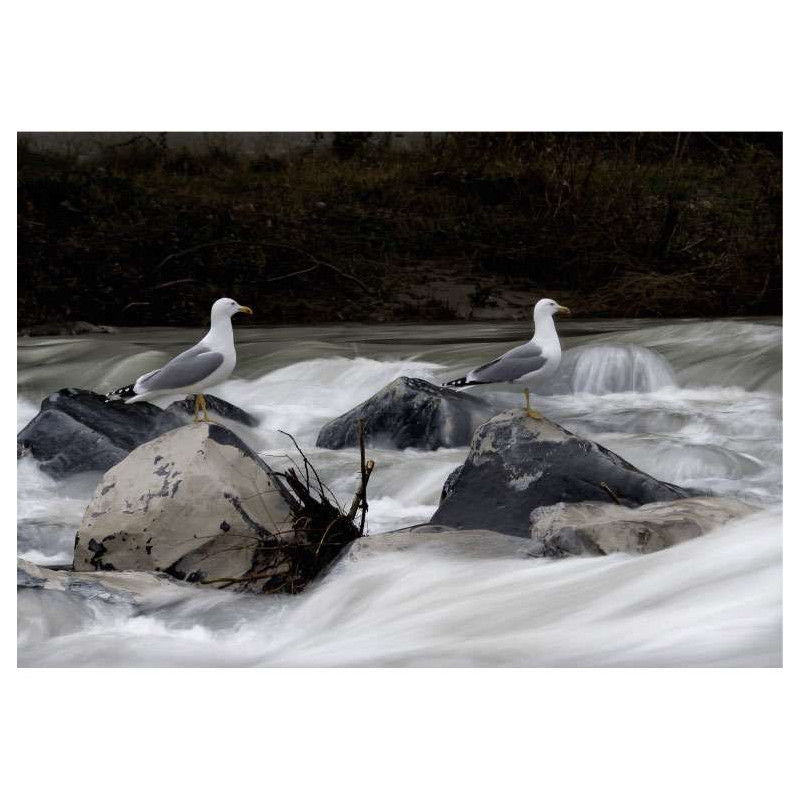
(360, 498)
(308, 463)
(317, 262)
(195, 249)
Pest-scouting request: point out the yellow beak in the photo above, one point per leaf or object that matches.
(245, 309)
(564, 310)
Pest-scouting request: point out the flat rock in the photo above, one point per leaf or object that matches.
(593, 528)
(111, 587)
(442, 541)
(78, 431)
(517, 464)
(409, 412)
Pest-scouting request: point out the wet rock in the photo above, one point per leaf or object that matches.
(450, 482)
(442, 541)
(409, 412)
(201, 506)
(608, 368)
(110, 587)
(593, 528)
(216, 407)
(77, 430)
(517, 464)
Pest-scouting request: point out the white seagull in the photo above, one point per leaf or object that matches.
(530, 364)
(209, 362)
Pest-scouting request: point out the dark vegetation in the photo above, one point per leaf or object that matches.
(350, 227)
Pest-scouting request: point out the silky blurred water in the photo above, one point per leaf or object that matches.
(696, 403)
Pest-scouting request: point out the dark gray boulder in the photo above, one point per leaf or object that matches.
(78, 431)
(409, 412)
(517, 464)
(216, 407)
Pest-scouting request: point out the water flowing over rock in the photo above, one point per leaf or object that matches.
(201, 506)
(78, 431)
(517, 464)
(110, 587)
(610, 368)
(438, 540)
(409, 412)
(594, 528)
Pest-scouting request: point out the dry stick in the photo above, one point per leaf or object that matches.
(307, 462)
(360, 498)
(318, 262)
(364, 476)
(370, 465)
(194, 249)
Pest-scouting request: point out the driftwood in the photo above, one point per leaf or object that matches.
(360, 498)
(321, 529)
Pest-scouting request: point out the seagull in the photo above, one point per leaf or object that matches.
(531, 363)
(209, 362)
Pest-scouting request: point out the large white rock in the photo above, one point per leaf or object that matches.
(195, 503)
(593, 528)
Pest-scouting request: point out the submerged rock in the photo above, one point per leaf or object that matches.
(442, 541)
(599, 528)
(110, 587)
(517, 464)
(78, 431)
(409, 412)
(201, 506)
(611, 367)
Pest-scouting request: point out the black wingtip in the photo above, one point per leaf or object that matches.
(460, 382)
(121, 393)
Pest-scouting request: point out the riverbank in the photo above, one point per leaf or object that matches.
(461, 226)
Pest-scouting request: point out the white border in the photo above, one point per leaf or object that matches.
(410, 66)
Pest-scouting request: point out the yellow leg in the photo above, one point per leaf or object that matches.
(531, 412)
(197, 407)
(202, 398)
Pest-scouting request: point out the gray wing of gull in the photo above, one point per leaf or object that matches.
(186, 369)
(511, 365)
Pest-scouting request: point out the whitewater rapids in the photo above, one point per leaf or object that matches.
(695, 403)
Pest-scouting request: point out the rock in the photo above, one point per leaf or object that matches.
(216, 406)
(409, 412)
(450, 482)
(110, 587)
(593, 528)
(442, 541)
(517, 464)
(607, 368)
(77, 430)
(201, 506)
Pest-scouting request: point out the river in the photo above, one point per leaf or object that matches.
(694, 402)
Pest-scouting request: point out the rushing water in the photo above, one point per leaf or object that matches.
(695, 402)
